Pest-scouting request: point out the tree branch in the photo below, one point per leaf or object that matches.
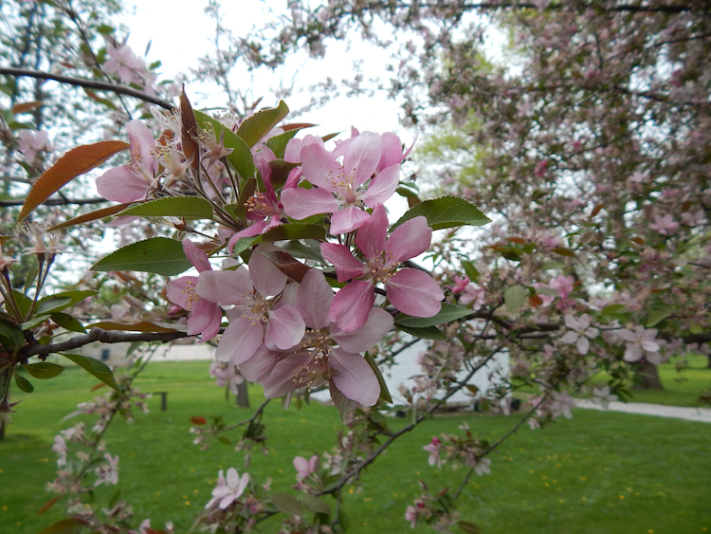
(55, 202)
(104, 336)
(90, 84)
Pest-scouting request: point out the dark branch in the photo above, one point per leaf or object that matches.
(55, 202)
(90, 84)
(104, 336)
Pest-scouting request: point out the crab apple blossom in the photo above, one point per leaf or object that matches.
(326, 354)
(228, 489)
(411, 291)
(30, 143)
(256, 317)
(580, 332)
(137, 179)
(205, 316)
(341, 187)
(641, 342)
(305, 467)
(124, 62)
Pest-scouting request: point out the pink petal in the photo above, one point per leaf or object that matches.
(378, 324)
(354, 377)
(266, 277)
(373, 233)
(122, 184)
(348, 220)
(391, 152)
(224, 287)
(252, 230)
(319, 167)
(313, 299)
(583, 345)
(260, 365)
(232, 477)
(242, 484)
(414, 293)
(410, 239)
(141, 140)
(352, 304)
(300, 203)
(347, 267)
(284, 377)
(362, 155)
(182, 292)
(240, 341)
(382, 187)
(196, 256)
(224, 503)
(205, 319)
(285, 327)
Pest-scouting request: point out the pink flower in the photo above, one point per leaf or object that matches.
(137, 179)
(31, 142)
(640, 343)
(665, 225)
(326, 354)
(124, 62)
(255, 318)
(433, 449)
(205, 316)
(340, 187)
(460, 284)
(228, 490)
(579, 332)
(563, 285)
(473, 295)
(411, 515)
(107, 473)
(411, 291)
(60, 447)
(305, 467)
(482, 467)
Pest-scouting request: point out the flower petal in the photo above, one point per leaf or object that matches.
(300, 203)
(348, 220)
(378, 324)
(260, 365)
(382, 186)
(314, 297)
(415, 293)
(354, 377)
(409, 240)
(372, 234)
(122, 184)
(196, 256)
(285, 327)
(205, 320)
(240, 341)
(224, 287)
(352, 304)
(347, 267)
(266, 277)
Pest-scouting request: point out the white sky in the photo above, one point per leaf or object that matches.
(180, 33)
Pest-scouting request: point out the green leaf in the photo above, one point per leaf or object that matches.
(241, 156)
(51, 303)
(261, 123)
(43, 370)
(613, 309)
(514, 297)
(468, 527)
(292, 231)
(224, 440)
(657, 316)
(550, 265)
(64, 526)
(158, 255)
(11, 336)
(314, 504)
(427, 332)
(23, 383)
(446, 212)
(187, 207)
(565, 252)
(68, 322)
(384, 393)
(34, 322)
(447, 314)
(94, 367)
(277, 144)
(471, 271)
(288, 504)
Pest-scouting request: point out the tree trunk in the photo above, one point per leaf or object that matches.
(708, 365)
(242, 395)
(5, 378)
(647, 376)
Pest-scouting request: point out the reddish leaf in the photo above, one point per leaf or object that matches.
(564, 252)
(77, 161)
(296, 126)
(287, 264)
(92, 216)
(519, 240)
(535, 301)
(189, 131)
(97, 386)
(26, 106)
(143, 326)
(596, 210)
(46, 506)
(198, 420)
(639, 240)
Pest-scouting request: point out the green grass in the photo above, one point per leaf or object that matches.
(680, 388)
(597, 473)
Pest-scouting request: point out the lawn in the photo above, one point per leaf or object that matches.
(597, 473)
